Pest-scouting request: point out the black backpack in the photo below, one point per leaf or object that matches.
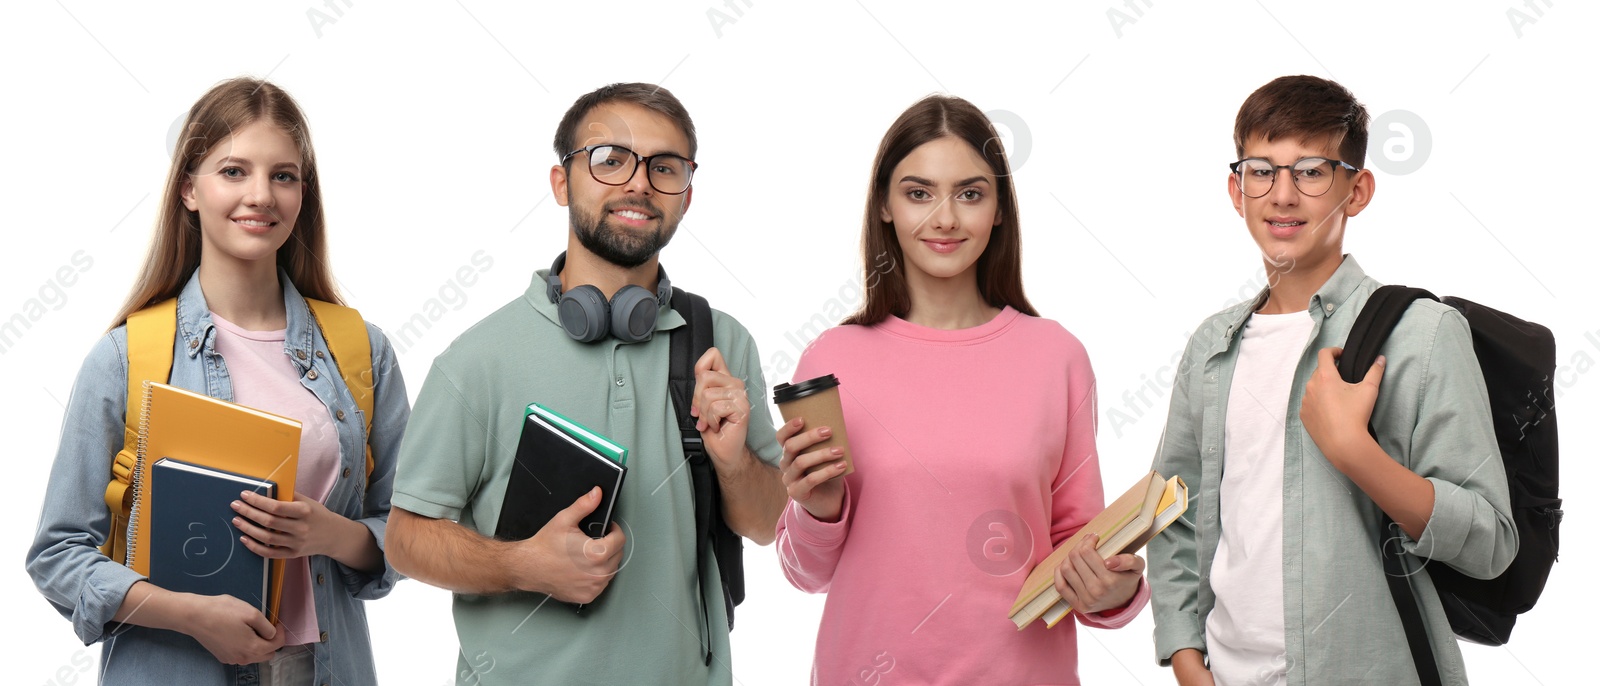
(688, 343)
(1518, 359)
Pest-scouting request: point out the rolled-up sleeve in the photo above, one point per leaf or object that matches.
(1454, 448)
(65, 561)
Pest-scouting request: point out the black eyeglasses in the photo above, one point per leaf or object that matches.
(614, 165)
(1312, 175)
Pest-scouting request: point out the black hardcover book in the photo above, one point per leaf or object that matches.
(552, 470)
(194, 546)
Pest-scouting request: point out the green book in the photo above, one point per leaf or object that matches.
(600, 444)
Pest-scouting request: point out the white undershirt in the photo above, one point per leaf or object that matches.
(1245, 632)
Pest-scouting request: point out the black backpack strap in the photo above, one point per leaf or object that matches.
(1370, 331)
(688, 344)
(1372, 328)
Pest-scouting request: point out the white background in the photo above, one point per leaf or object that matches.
(433, 124)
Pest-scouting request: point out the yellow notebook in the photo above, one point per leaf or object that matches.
(1123, 527)
(199, 429)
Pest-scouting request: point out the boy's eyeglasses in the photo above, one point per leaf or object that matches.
(1312, 175)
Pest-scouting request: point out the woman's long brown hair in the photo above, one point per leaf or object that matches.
(1000, 265)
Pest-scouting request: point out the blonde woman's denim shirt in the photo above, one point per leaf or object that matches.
(1432, 415)
(87, 588)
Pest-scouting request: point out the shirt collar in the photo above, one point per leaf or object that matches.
(196, 328)
(1333, 294)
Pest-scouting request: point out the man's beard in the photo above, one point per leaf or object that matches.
(618, 245)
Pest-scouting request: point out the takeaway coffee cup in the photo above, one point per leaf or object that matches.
(817, 400)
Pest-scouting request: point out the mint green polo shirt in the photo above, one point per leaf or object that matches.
(457, 458)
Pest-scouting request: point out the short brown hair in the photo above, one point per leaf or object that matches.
(646, 95)
(1000, 265)
(1308, 108)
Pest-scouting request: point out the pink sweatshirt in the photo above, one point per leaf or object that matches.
(975, 454)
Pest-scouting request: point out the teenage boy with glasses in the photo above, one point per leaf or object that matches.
(1275, 575)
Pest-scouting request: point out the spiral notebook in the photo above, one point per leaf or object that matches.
(198, 429)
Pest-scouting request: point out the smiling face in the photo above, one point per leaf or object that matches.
(1297, 232)
(943, 204)
(625, 225)
(247, 194)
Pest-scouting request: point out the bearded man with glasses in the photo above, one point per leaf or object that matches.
(582, 341)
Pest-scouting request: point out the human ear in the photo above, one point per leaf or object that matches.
(186, 191)
(1235, 195)
(558, 184)
(1361, 190)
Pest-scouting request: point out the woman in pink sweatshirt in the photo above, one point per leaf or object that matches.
(971, 423)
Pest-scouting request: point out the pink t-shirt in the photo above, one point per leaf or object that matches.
(265, 378)
(975, 454)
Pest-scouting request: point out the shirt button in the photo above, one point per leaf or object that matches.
(1329, 308)
(619, 381)
(319, 354)
(312, 375)
(320, 580)
(194, 343)
(339, 414)
(345, 474)
(324, 637)
(300, 354)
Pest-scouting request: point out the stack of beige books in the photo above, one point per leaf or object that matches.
(1124, 527)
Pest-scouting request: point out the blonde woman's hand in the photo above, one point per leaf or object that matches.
(234, 632)
(275, 529)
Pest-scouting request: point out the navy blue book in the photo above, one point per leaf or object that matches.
(194, 545)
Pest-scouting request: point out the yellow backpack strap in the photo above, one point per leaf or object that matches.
(346, 334)
(151, 332)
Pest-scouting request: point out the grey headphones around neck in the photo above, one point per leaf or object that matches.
(586, 316)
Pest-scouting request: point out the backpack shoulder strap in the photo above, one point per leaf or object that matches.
(151, 332)
(1372, 327)
(688, 343)
(346, 334)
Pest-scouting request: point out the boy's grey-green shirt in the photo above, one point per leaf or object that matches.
(1432, 415)
(457, 457)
